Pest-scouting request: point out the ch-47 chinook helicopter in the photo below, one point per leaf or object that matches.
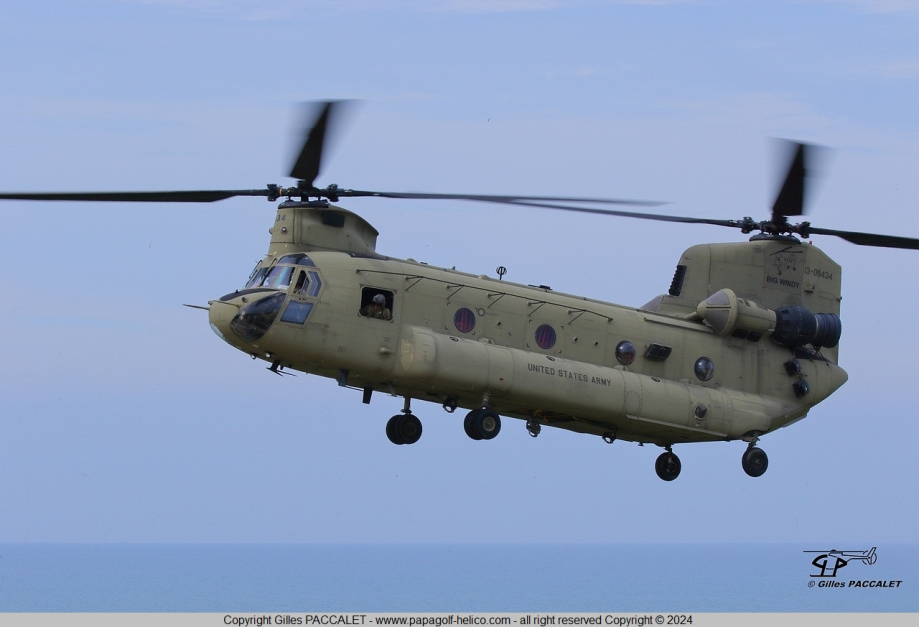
(744, 342)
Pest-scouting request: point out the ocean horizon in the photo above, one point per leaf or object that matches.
(450, 577)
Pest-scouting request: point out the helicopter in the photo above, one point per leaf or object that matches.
(745, 340)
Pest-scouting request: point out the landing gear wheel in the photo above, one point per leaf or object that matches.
(405, 428)
(391, 430)
(409, 428)
(668, 466)
(482, 424)
(486, 423)
(754, 462)
(467, 425)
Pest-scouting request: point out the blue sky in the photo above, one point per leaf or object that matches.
(125, 419)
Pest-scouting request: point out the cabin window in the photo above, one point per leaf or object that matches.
(545, 336)
(705, 368)
(464, 320)
(625, 353)
(376, 303)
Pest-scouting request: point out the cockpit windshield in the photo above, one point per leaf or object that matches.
(278, 276)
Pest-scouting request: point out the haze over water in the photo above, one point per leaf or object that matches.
(444, 578)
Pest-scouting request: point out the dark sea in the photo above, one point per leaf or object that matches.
(448, 578)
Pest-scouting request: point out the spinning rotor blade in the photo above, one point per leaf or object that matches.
(870, 239)
(747, 224)
(309, 162)
(306, 168)
(621, 214)
(356, 193)
(187, 196)
(790, 200)
(274, 192)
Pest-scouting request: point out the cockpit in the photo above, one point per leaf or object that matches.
(254, 319)
(278, 276)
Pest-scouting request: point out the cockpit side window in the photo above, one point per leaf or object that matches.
(313, 285)
(301, 284)
(377, 303)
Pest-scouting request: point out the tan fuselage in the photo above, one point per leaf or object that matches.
(490, 353)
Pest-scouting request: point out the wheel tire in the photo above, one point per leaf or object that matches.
(486, 423)
(668, 466)
(408, 428)
(467, 425)
(391, 432)
(755, 462)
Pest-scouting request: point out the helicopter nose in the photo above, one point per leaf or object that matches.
(219, 316)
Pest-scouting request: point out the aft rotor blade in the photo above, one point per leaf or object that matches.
(495, 198)
(870, 239)
(309, 161)
(181, 196)
(790, 201)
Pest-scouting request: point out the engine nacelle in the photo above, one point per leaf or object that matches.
(790, 326)
(796, 326)
(725, 313)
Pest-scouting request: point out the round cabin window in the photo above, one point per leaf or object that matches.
(545, 336)
(705, 368)
(625, 353)
(464, 320)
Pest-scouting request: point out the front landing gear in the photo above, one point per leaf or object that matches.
(404, 428)
(668, 466)
(754, 461)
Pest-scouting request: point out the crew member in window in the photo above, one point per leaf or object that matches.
(377, 309)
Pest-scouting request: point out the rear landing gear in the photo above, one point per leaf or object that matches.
(482, 424)
(668, 466)
(754, 461)
(404, 428)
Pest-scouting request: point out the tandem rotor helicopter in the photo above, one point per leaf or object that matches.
(745, 340)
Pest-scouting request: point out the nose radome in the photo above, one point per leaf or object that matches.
(219, 315)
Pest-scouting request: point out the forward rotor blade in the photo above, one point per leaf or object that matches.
(495, 198)
(870, 239)
(181, 196)
(790, 201)
(309, 161)
(622, 214)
